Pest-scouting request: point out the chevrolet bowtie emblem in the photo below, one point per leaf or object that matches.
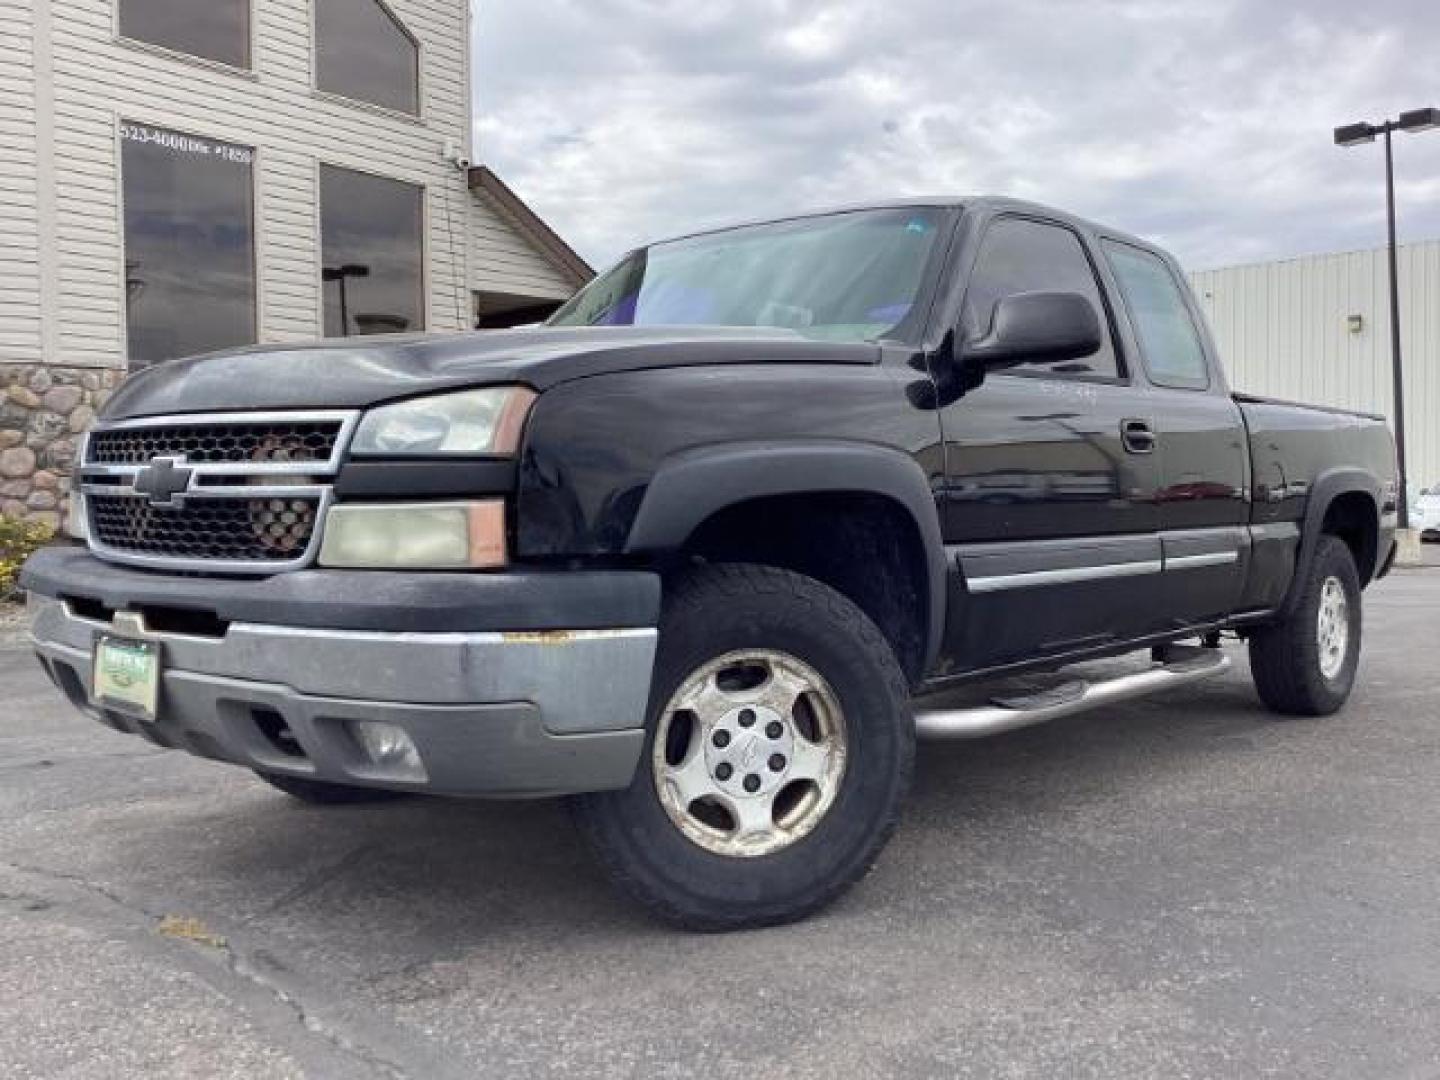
(163, 480)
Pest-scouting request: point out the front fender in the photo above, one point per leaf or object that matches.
(694, 485)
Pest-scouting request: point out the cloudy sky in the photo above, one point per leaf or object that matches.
(1205, 124)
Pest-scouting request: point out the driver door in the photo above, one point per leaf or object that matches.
(1049, 503)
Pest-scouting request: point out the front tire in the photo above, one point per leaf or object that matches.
(778, 755)
(1305, 664)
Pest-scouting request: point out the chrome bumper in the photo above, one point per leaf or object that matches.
(490, 713)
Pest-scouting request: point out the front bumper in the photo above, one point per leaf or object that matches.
(497, 706)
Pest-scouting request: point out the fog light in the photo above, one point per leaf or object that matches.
(387, 746)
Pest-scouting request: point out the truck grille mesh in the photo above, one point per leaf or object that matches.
(232, 529)
(217, 444)
(213, 493)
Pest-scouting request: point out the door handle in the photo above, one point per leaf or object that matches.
(1138, 436)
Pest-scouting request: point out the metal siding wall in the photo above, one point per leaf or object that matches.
(1282, 330)
(19, 195)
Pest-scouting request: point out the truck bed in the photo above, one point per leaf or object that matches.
(1242, 398)
(1297, 451)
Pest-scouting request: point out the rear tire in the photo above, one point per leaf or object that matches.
(1305, 664)
(323, 793)
(778, 754)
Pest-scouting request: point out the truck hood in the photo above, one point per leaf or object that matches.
(350, 373)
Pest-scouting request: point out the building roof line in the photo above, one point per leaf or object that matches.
(483, 178)
(1378, 249)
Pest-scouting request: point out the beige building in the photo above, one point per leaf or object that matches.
(179, 176)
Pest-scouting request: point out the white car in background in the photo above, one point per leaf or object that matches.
(1425, 513)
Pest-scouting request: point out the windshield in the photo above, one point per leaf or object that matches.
(839, 277)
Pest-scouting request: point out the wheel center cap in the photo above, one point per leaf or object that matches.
(748, 751)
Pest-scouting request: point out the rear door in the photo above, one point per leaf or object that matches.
(1200, 440)
(1048, 512)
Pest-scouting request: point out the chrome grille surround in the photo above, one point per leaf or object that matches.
(260, 515)
(309, 440)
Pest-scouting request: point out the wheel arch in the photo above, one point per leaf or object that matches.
(1344, 503)
(694, 489)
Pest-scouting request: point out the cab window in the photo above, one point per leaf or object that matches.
(1169, 340)
(1024, 255)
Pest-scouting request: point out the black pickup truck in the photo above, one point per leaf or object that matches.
(704, 551)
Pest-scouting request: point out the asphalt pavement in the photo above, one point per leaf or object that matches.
(1179, 887)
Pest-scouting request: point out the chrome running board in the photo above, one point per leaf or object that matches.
(1178, 666)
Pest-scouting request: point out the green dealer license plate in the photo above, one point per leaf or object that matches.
(127, 675)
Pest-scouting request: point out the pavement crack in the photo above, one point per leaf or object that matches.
(257, 971)
(250, 968)
(82, 882)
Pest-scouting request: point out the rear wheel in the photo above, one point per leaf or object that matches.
(778, 756)
(1305, 665)
(322, 793)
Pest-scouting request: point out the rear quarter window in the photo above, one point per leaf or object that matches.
(1169, 340)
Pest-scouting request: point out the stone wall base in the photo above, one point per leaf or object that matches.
(44, 408)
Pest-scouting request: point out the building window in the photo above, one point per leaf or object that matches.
(363, 52)
(189, 243)
(214, 29)
(373, 255)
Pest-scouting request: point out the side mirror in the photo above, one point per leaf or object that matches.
(1037, 327)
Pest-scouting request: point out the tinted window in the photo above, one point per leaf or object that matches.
(1168, 338)
(370, 232)
(189, 243)
(362, 52)
(214, 29)
(1019, 255)
(844, 277)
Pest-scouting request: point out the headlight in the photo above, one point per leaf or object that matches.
(415, 536)
(469, 422)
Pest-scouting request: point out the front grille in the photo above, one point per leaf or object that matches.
(250, 530)
(221, 493)
(227, 443)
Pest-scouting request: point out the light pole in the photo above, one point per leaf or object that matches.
(341, 274)
(1353, 135)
